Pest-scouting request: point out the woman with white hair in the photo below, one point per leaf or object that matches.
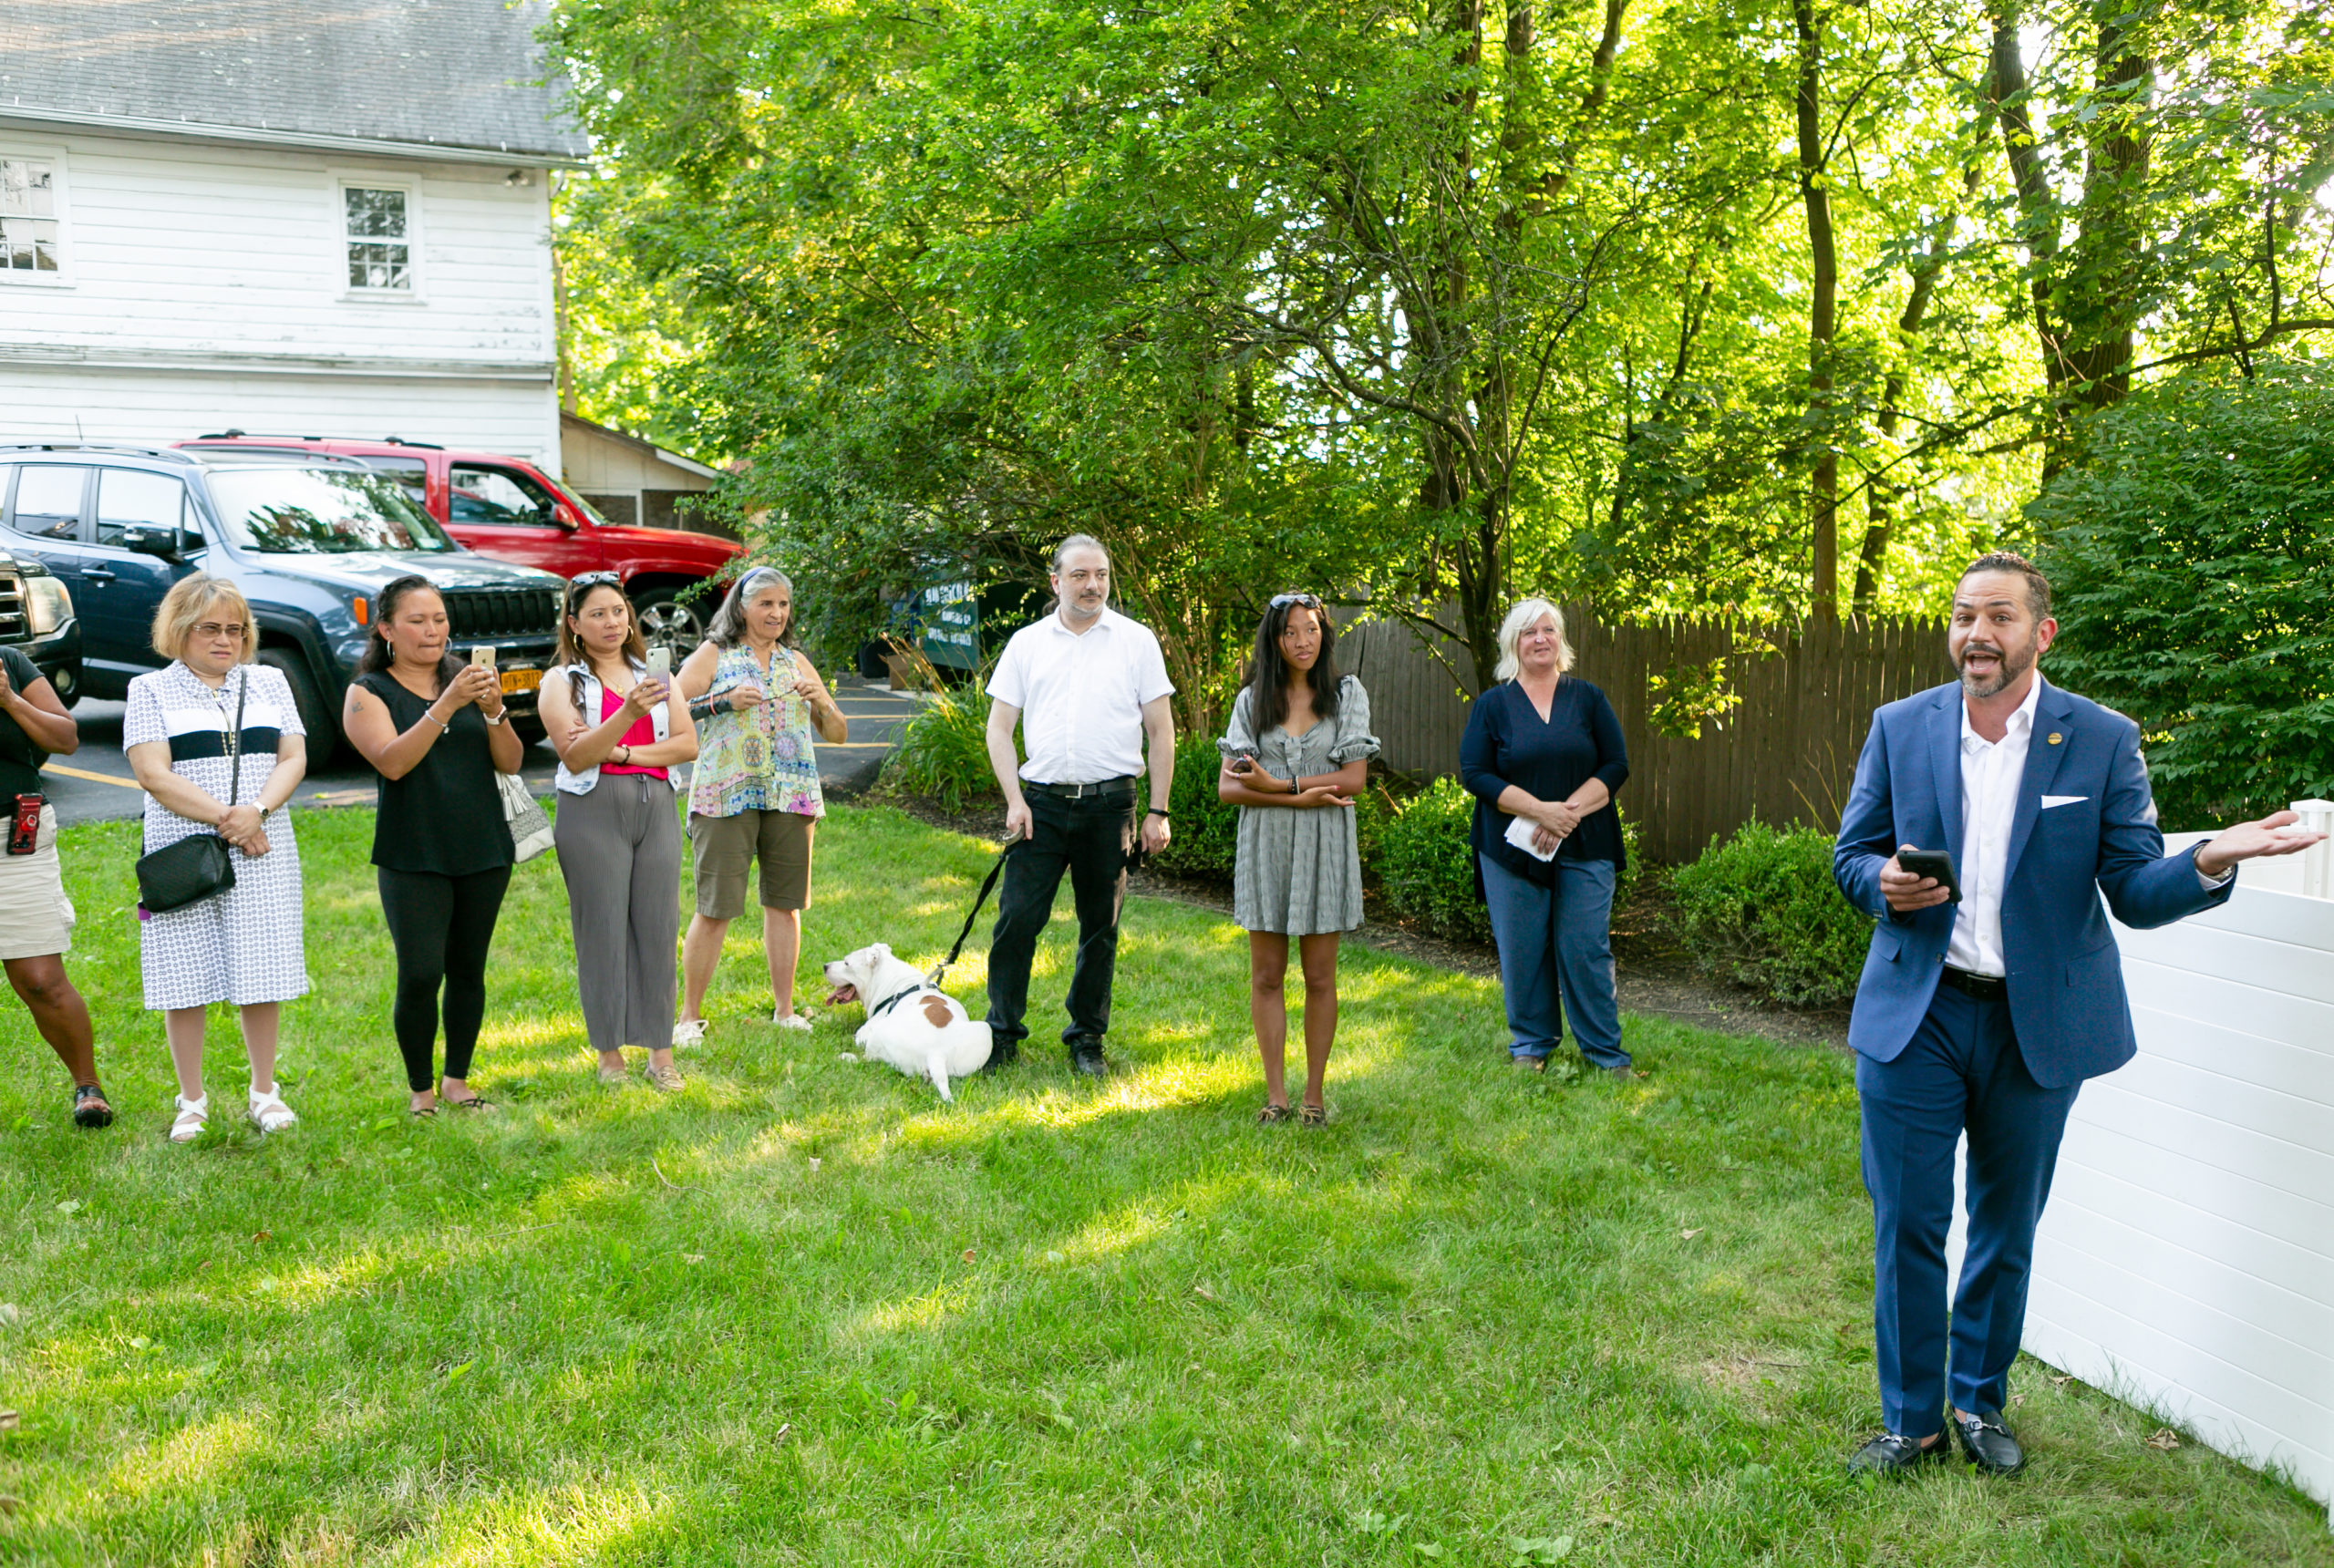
(1542, 757)
(215, 739)
(755, 794)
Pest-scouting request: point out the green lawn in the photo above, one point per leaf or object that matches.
(802, 1312)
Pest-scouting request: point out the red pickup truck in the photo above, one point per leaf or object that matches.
(509, 509)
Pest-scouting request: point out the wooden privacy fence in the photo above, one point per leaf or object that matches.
(1784, 751)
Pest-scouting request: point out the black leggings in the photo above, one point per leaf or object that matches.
(442, 927)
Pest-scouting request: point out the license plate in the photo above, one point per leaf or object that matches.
(515, 681)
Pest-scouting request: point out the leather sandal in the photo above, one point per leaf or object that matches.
(90, 1108)
(269, 1113)
(188, 1125)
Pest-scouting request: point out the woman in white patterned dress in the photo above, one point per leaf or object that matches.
(244, 945)
(1295, 754)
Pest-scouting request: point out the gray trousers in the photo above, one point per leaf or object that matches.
(620, 853)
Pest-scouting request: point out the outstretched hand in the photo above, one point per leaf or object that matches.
(2278, 833)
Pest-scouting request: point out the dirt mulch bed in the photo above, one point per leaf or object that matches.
(1655, 979)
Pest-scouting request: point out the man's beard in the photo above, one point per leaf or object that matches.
(2009, 666)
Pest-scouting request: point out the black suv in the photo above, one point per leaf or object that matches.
(37, 619)
(309, 539)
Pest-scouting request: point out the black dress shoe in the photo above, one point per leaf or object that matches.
(1003, 1056)
(1086, 1058)
(1889, 1454)
(1991, 1446)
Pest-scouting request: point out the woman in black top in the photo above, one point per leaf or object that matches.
(1543, 756)
(433, 728)
(36, 917)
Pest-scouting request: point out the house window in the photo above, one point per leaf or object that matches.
(28, 226)
(381, 239)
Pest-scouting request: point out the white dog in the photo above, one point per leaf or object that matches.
(915, 1027)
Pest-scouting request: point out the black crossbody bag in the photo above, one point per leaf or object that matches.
(196, 867)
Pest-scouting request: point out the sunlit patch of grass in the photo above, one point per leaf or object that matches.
(804, 1313)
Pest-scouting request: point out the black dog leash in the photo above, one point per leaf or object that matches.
(988, 886)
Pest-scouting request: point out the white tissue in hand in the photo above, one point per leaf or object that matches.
(1519, 833)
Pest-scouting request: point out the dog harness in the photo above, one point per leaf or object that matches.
(895, 999)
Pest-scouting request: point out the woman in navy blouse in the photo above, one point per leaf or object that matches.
(1544, 748)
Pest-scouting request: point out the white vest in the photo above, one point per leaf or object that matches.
(659, 717)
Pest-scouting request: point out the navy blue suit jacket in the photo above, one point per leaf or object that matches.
(2066, 977)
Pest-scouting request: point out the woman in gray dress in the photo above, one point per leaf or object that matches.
(1295, 754)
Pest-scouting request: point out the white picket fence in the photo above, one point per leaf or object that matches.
(2186, 1263)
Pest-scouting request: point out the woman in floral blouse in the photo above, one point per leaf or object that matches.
(754, 795)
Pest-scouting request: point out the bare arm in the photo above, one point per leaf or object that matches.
(1159, 732)
(367, 721)
(1257, 788)
(40, 714)
(1005, 763)
(826, 714)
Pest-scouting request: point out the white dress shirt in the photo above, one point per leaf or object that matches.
(1081, 696)
(1991, 771)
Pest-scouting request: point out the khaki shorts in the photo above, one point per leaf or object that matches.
(36, 917)
(725, 848)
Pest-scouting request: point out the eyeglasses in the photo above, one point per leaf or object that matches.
(584, 579)
(211, 631)
(1309, 601)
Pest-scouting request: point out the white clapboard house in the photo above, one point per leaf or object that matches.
(326, 217)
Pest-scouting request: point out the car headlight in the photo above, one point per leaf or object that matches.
(48, 605)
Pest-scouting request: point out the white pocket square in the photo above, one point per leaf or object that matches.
(2051, 800)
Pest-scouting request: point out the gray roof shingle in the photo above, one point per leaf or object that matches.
(442, 73)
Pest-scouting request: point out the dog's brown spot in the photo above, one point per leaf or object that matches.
(936, 1011)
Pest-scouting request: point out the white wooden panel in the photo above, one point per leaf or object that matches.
(514, 416)
(2186, 1260)
(190, 248)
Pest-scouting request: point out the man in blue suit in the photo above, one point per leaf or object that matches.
(1985, 1017)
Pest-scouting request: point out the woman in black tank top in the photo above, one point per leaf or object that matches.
(433, 729)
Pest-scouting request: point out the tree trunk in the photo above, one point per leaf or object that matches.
(2103, 283)
(1881, 496)
(1822, 310)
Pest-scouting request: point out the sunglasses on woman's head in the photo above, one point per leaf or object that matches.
(1308, 600)
(578, 587)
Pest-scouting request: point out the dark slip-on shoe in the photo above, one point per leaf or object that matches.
(1991, 1446)
(1890, 1455)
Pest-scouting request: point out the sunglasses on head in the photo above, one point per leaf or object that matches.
(1309, 601)
(579, 585)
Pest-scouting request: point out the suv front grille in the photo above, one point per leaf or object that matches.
(501, 612)
(13, 627)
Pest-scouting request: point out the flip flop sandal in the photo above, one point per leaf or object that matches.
(1312, 1116)
(90, 1108)
(1271, 1115)
(477, 1103)
(422, 1112)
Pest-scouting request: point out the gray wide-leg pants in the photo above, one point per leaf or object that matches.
(620, 853)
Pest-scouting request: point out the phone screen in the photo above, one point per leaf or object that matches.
(660, 663)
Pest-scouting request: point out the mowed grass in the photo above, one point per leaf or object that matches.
(802, 1313)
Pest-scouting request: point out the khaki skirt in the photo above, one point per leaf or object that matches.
(36, 917)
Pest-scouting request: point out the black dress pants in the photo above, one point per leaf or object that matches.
(1089, 838)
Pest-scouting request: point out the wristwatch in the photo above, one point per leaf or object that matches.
(493, 718)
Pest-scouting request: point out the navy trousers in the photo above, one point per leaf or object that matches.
(1962, 1072)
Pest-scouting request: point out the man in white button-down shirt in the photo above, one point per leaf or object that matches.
(1088, 687)
(1987, 1017)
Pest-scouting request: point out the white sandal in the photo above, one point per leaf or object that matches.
(791, 1021)
(691, 1032)
(188, 1125)
(269, 1113)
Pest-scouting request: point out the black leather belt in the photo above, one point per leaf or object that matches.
(1124, 782)
(1985, 988)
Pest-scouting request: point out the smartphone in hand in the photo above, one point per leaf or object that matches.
(1932, 864)
(660, 663)
(484, 656)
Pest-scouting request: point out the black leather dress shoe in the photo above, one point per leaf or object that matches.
(1889, 1454)
(1086, 1057)
(1001, 1056)
(1991, 1446)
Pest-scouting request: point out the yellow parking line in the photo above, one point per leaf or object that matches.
(93, 778)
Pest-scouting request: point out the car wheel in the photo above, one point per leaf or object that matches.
(66, 682)
(666, 621)
(322, 725)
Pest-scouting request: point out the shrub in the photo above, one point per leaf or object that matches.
(1761, 910)
(1425, 866)
(2192, 559)
(943, 755)
(1207, 832)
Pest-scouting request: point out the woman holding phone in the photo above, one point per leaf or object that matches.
(1295, 753)
(434, 731)
(754, 793)
(620, 730)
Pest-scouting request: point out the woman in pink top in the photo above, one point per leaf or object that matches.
(619, 733)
